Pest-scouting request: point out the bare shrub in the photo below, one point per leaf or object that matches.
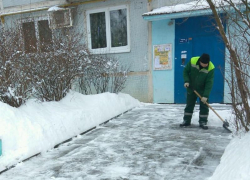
(44, 63)
(14, 83)
(103, 74)
(43, 70)
(53, 72)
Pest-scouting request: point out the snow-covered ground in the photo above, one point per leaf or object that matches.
(37, 127)
(235, 162)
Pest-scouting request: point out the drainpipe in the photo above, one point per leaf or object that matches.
(1, 4)
(150, 75)
(1, 8)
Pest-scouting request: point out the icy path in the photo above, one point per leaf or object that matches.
(143, 144)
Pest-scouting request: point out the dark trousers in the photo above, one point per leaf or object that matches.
(188, 112)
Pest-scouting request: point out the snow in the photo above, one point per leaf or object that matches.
(38, 126)
(55, 8)
(194, 5)
(235, 161)
(191, 6)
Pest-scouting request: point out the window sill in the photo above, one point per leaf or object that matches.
(106, 51)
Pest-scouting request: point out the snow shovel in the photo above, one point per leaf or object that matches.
(225, 123)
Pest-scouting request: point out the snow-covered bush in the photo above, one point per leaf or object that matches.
(46, 69)
(45, 72)
(53, 72)
(14, 83)
(103, 74)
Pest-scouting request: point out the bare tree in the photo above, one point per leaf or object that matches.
(237, 43)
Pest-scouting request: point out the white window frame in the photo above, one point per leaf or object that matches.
(35, 20)
(108, 49)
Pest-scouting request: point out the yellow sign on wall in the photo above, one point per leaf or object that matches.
(162, 56)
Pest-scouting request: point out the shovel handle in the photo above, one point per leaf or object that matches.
(208, 105)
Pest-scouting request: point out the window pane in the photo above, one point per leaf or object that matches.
(98, 30)
(29, 35)
(118, 23)
(45, 35)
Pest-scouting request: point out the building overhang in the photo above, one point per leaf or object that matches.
(191, 9)
(176, 15)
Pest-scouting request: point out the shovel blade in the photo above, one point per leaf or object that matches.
(226, 126)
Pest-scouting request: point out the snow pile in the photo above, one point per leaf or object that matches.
(37, 127)
(235, 162)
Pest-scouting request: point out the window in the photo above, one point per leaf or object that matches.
(45, 36)
(37, 36)
(29, 35)
(98, 30)
(108, 30)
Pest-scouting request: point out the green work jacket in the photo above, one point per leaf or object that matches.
(200, 80)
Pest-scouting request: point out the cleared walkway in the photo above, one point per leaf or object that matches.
(143, 144)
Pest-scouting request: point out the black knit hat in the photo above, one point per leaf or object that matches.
(205, 58)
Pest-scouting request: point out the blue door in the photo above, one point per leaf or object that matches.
(194, 36)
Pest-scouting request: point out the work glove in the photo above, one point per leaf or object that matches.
(186, 85)
(204, 100)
